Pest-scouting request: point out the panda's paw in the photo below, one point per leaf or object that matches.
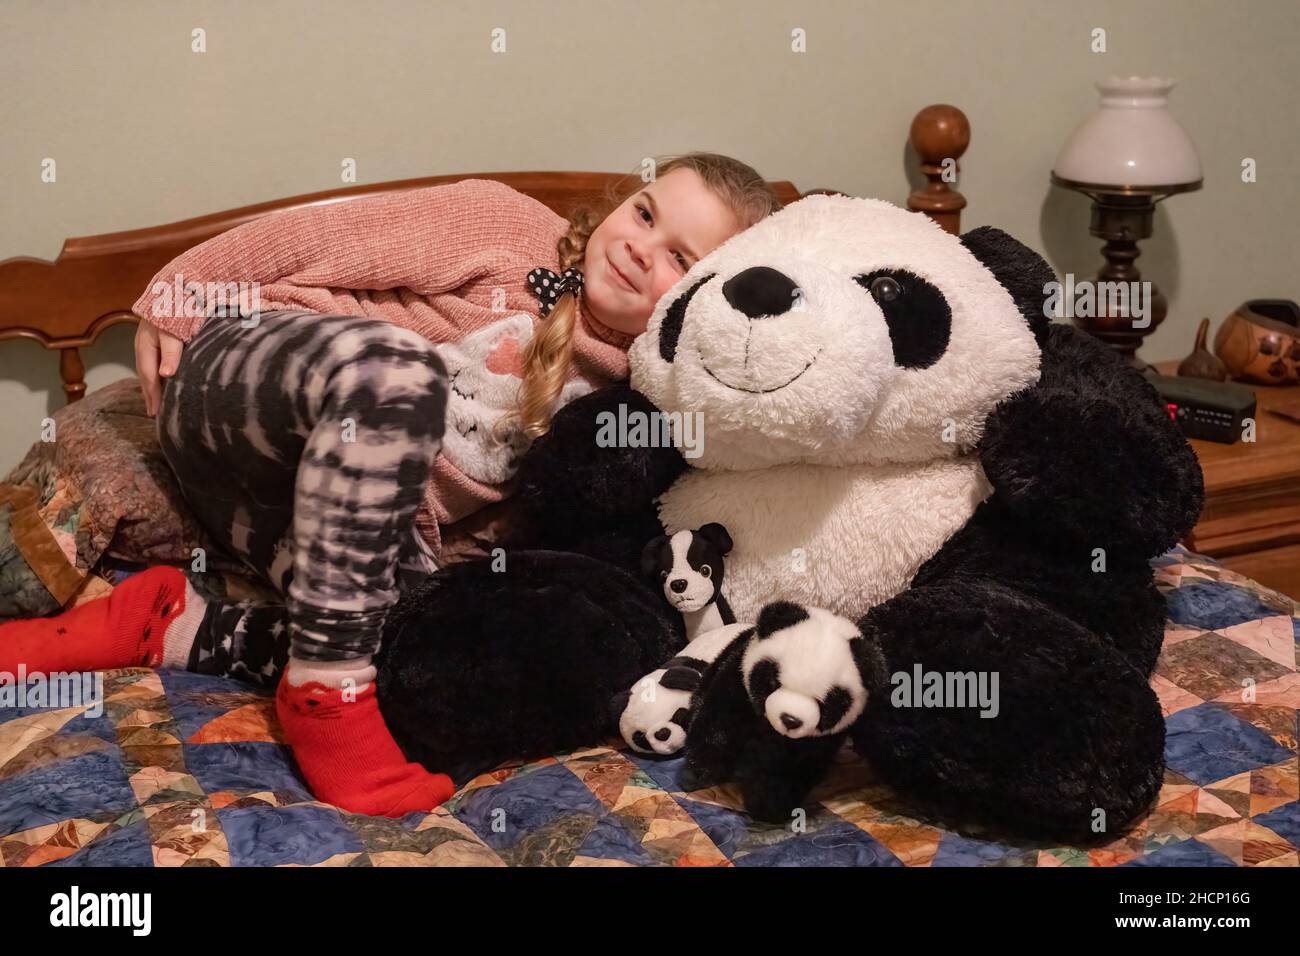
(772, 801)
(776, 774)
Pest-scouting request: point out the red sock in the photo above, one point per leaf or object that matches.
(123, 629)
(348, 755)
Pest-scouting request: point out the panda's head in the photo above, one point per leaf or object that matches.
(653, 717)
(842, 331)
(800, 670)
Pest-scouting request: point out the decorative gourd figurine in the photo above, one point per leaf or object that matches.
(1203, 363)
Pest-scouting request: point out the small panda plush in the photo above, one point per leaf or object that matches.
(688, 567)
(800, 672)
(805, 672)
(655, 714)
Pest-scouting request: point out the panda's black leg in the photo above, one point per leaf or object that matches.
(1110, 593)
(776, 773)
(721, 716)
(486, 662)
(1073, 747)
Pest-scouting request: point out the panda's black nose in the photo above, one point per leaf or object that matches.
(760, 291)
(663, 733)
(791, 722)
(678, 585)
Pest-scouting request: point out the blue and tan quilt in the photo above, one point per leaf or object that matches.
(184, 770)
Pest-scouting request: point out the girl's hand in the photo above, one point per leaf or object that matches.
(157, 353)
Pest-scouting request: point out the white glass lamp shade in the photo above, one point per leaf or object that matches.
(1131, 141)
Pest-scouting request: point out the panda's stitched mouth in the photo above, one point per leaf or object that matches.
(756, 391)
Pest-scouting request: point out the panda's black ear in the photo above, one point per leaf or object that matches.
(716, 534)
(779, 615)
(1022, 272)
(650, 555)
(680, 678)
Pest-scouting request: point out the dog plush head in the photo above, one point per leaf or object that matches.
(844, 331)
(688, 566)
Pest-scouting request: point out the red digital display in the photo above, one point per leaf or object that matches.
(1173, 409)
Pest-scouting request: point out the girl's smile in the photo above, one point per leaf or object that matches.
(620, 276)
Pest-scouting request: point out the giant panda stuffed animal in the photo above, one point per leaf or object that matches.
(893, 431)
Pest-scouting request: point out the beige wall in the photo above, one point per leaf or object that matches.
(144, 131)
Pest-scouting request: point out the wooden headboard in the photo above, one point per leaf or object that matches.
(90, 287)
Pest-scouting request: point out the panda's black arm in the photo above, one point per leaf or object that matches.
(576, 484)
(1092, 453)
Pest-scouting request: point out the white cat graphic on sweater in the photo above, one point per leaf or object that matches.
(486, 368)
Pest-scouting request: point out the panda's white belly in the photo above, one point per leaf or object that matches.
(841, 538)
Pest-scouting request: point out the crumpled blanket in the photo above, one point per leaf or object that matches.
(185, 770)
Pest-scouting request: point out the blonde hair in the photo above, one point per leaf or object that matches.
(546, 359)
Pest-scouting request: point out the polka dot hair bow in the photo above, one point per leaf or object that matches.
(548, 286)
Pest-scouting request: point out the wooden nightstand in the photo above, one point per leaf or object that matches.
(1251, 518)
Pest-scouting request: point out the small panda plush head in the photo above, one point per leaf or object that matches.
(800, 671)
(842, 331)
(688, 566)
(654, 715)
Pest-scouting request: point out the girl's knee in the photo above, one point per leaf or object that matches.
(385, 376)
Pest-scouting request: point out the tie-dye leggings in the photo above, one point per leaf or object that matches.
(302, 443)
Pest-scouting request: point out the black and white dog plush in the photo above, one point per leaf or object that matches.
(893, 432)
(689, 567)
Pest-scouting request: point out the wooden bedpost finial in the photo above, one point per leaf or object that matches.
(940, 135)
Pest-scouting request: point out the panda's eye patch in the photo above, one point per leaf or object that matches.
(764, 681)
(916, 312)
(663, 575)
(706, 570)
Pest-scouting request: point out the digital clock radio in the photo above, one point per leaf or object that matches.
(1216, 411)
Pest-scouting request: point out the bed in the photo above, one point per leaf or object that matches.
(180, 769)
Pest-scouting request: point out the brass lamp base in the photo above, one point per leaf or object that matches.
(1121, 309)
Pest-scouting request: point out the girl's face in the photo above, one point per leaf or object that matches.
(649, 242)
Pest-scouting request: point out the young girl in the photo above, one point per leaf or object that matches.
(407, 349)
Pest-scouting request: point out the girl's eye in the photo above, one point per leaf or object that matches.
(681, 259)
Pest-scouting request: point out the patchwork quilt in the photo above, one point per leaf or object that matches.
(184, 770)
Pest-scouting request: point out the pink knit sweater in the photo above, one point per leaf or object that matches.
(447, 262)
